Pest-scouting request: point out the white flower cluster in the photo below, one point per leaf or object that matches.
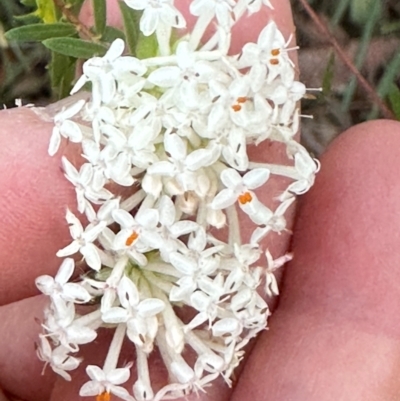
(174, 130)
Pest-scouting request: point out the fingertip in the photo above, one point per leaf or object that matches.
(34, 198)
(335, 334)
(346, 237)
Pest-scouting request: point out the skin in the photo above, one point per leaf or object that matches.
(335, 333)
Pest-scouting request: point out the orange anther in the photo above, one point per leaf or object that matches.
(275, 52)
(237, 107)
(104, 396)
(241, 99)
(129, 241)
(274, 61)
(245, 198)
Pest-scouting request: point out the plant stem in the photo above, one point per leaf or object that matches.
(73, 19)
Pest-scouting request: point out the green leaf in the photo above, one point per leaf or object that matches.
(39, 32)
(28, 3)
(394, 98)
(111, 33)
(361, 10)
(131, 26)
(100, 15)
(147, 46)
(46, 11)
(74, 47)
(62, 74)
(328, 75)
(28, 19)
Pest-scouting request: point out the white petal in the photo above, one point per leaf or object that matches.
(70, 249)
(115, 315)
(55, 142)
(91, 255)
(128, 293)
(167, 211)
(184, 264)
(150, 307)
(165, 77)
(91, 389)
(45, 284)
(231, 178)
(116, 49)
(256, 177)
(183, 372)
(226, 326)
(76, 293)
(148, 218)
(118, 376)
(123, 218)
(65, 271)
(175, 146)
(71, 130)
(80, 334)
(224, 199)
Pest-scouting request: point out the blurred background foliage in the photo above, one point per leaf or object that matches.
(367, 30)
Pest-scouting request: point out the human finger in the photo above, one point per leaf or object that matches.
(335, 334)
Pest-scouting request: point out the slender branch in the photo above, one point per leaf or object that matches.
(387, 113)
(73, 19)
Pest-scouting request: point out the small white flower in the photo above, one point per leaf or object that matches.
(83, 241)
(239, 188)
(271, 285)
(63, 126)
(156, 12)
(58, 358)
(221, 9)
(104, 71)
(103, 382)
(59, 287)
(140, 316)
(270, 221)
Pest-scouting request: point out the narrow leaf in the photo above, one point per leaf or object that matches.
(74, 47)
(39, 32)
(100, 15)
(147, 46)
(394, 97)
(328, 75)
(62, 74)
(46, 11)
(131, 23)
(111, 33)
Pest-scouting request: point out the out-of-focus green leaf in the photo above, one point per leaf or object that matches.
(385, 86)
(131, 24)
(28, 19)
(100, 15)
(394, 98)
(362, 51)
(147, 46)
(111, 33)
(74, 47)
(46, 11)
(39, 32)
(328, 75)
(75, 6)
(390, 27)
(360, 10)
(340, 10)
(28, 3)
(62, 74)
